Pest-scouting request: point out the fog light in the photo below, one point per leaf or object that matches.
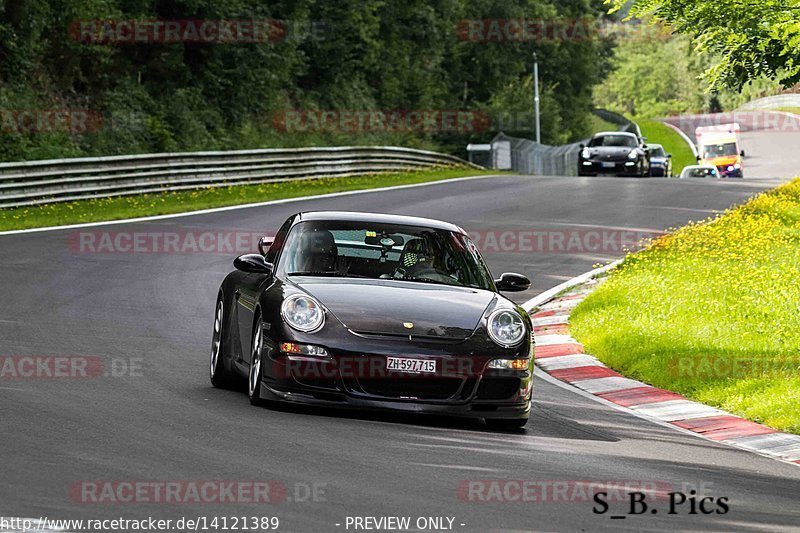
(629, 164)
(587, 163)
(303, 349)
(509, 364)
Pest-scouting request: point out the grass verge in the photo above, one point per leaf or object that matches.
(711, 311)
(597, 124)
(121, 207)
(658, 133)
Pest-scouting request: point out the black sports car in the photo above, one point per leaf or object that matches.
(617, 153)
(375, 311)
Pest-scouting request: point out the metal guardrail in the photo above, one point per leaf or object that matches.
(624, 123)
(528, 157)
(60, 180)
(772, 102)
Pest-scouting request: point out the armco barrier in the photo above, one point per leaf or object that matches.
(772, 102)
(60, 180)
(528, 157)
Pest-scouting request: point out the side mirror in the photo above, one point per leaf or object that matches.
(264, 243)
(697, 157)
(511, 282)
(581, 145)
(253, 264)
(669, 156)
(741, 153)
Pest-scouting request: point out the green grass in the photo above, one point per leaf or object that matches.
(597, 124)
(56, 214)
(658, 133)
(795, 110)
(711, 311)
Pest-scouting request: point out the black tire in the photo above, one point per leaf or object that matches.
(218, 372)
(506, 424)
(254, 374)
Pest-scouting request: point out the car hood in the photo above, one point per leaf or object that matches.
(658, 159)
(387, 307)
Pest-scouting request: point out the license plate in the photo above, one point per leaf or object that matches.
(608, 165)
(416, 366)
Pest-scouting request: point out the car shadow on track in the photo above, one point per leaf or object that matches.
(543, 421)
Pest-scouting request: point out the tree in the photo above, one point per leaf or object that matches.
(653, 78)
(752, 38)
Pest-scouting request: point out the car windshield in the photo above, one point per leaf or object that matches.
(613, 140)
(657, 152)
(717, 150)
(384, 251)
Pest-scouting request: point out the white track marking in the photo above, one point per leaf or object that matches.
(567, 361)
(247, 206)
(550, 340)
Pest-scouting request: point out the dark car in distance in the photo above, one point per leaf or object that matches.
(617, 153)
(375, 311)
(660, 161)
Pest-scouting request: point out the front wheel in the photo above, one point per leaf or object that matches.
(506, 424)
(219, 375)
(254, 376)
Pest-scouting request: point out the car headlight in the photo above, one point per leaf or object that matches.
(633, 154)
(510, 364)
(585, 153)
(302, 312)
(506, 327)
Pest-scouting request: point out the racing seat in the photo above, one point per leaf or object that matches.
(319, 252)
(415, 258)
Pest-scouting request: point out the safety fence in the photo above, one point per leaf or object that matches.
(59, 180)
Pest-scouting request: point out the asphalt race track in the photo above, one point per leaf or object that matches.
(164, 421)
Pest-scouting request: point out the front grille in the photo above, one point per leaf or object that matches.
(423, 388)
(497, 388)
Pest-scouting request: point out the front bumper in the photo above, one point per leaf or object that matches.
(462, 386)
(593, 166)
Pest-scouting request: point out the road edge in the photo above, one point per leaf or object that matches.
(248, 205)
